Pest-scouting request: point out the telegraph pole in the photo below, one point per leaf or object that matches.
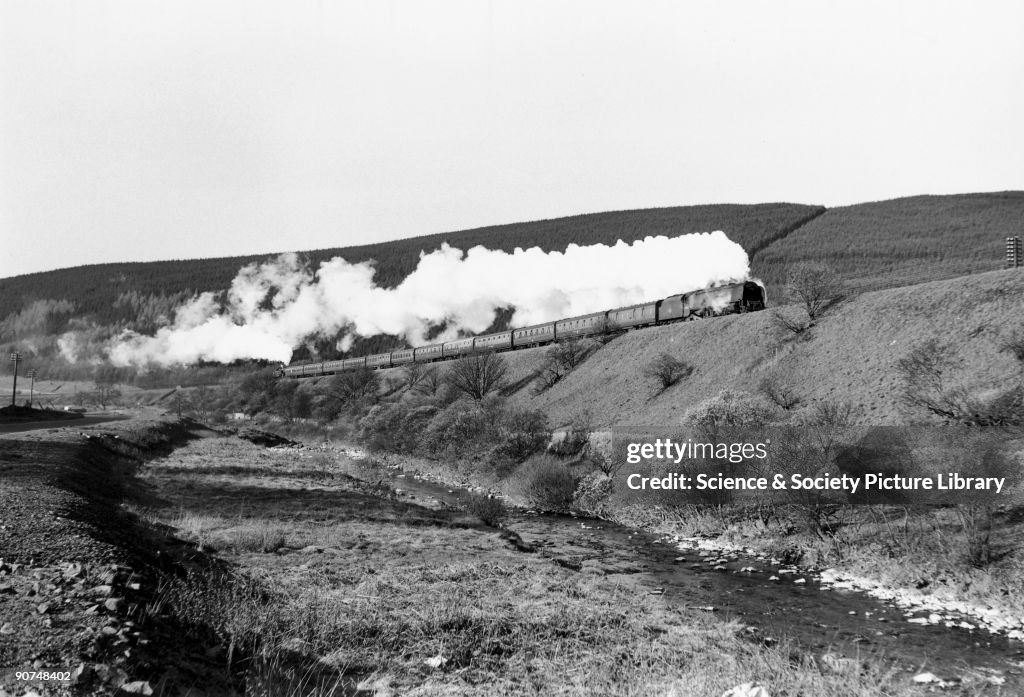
(32, 389)
(15, 359)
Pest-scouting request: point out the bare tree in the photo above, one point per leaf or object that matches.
(430, 382)
(795, 326)
(180, 402)
(815, 285)
(560, 360)
(202, 403)
(353, 388)
(548, 376)
(667, 370)
(970, 453)
(105, 393)
(928, 380)
(931, 381)
(570, 353)
(414, 375)
(780, 394)
(809, 449)
(830, 423)
(478, 374)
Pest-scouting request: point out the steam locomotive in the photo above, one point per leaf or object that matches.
(748, 296)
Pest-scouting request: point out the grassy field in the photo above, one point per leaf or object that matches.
(335, 584)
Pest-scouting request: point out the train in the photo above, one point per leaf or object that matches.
(746, 296)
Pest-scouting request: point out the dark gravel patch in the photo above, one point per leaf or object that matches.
(77, 571)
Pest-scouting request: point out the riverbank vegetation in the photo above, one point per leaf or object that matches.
(334, 585)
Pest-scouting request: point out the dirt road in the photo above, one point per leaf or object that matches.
(87, 420)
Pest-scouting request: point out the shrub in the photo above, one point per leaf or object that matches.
(396, 427)
(323, 463)
(930, 374)
(601, 452)
(523, 433)
(667, 370)
(728, 410)
(1014, 345)
(575, 439)
(455, 430)
(490, 510)
(352, 390)
(778, 393)
(545, 482)
(592, 491)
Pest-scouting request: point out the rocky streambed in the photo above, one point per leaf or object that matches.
(838, 620)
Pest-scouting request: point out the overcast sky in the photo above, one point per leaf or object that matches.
(133, 130)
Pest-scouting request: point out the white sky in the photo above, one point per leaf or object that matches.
(133, 130)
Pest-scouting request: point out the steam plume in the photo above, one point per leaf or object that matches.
(273, 307)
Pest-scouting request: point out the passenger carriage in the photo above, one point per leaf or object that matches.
(458, 347)
(748, 296)
(494, 342)
(534, 335)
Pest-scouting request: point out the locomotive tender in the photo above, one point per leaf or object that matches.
(748, 296)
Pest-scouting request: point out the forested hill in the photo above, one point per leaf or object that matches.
(873, 245)
(902, 241)
(113, 294)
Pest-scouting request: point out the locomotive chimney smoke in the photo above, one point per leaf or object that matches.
(273, 307)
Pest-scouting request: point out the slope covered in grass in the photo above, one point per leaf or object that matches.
(850, 355)
(902, 241)
(121, 292)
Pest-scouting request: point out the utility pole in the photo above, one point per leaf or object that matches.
(15, 359)
(32, 389)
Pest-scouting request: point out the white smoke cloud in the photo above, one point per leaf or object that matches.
(271, 308)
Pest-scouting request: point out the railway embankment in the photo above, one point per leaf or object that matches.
(849, 355)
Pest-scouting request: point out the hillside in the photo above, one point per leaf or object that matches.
(902, 241)
(113, 293)
(850, 355)
(874, 245)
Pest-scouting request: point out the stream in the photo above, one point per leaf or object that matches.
(841, 624)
